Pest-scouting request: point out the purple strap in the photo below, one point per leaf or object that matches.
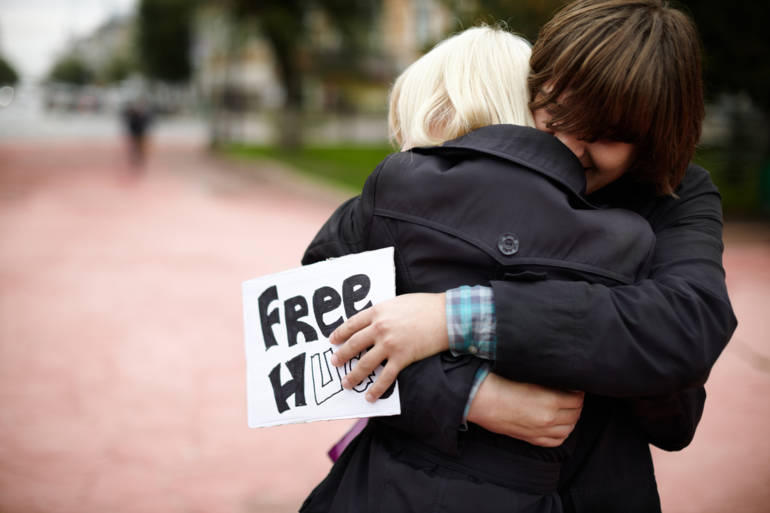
(336, 450)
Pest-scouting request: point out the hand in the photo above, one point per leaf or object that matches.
(401, 330)
(537, 415)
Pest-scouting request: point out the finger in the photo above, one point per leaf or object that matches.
(353, 325)
(363, 368)
(383, 381)
(359, 342)
(561, 432)
(543, 441)
(551, 437)
(544, 420)
(571, 399)
(567, 417)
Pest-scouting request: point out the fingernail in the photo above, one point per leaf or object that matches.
(370, 398)
(334, 360)
(345, 383)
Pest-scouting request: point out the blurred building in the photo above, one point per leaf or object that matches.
(109, 54)
(111, 40)
(97, 51)
(236, 75)
(410, 27)
(230, 67)
(237, 69)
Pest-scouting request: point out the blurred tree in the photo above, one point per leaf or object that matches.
(523, 17)
(736, 47)
(284, 24)
(163, 38)
(117, 69)
(8, 75)
(71, 69)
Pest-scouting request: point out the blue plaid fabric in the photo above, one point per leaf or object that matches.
(481, 375)
(471, 323)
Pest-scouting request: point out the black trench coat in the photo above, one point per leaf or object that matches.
(502, 205)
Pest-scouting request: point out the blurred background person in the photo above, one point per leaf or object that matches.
(136, 120)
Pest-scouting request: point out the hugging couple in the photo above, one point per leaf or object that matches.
(561, 295)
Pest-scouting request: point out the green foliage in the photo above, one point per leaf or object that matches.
(521, 17)
(344, 165)
(349, 166)
(117, 69)
(285, 26)
(164, 38)
(735, 42)
(8, 75)
(71, 69)
(734, 36)
(281, 23)
(286, 21)
(748, 197)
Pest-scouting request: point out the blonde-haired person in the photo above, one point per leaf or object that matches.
(470, 80)
(477, 195)
(607, 75)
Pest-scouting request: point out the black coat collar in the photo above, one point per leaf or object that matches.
(529, 147)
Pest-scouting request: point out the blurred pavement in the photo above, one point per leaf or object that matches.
(122, 370)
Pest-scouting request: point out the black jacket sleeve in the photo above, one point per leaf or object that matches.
(433, 391)
(669, 422)
(347, 230)
(654, 338)
(689, 313)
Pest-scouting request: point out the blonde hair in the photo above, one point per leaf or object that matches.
(470, 80)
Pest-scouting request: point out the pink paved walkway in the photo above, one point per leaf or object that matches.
(121, 357)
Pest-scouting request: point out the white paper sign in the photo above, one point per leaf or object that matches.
(288, 317)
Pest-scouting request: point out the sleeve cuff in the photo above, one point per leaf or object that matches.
(471, 321)
(481, 375)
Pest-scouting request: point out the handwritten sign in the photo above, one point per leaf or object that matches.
(288, 318)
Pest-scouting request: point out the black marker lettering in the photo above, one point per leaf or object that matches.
(326, 378)
(295, 386)
(355, 289)
(294, 309)
(325, 300)
(268, 319)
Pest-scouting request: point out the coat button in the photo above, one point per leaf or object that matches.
(508, 244)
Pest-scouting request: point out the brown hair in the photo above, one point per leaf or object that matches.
(626, 70)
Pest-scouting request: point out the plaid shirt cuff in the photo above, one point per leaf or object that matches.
(471, 322)
(481, 375)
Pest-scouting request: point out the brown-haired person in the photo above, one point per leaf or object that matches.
(606, 75)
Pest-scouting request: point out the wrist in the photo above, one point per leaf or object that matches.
(443, 338)
(483, 403)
